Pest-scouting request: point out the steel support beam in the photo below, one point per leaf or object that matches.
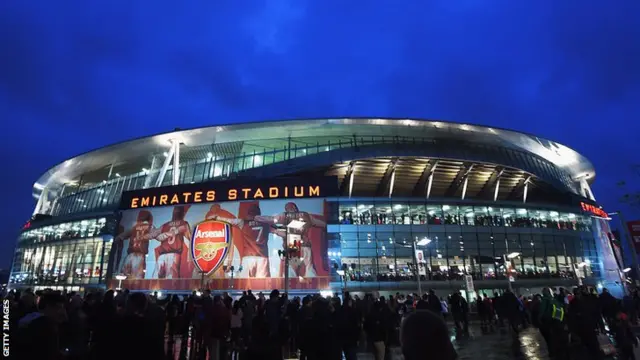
(384, 186)
(152, 171)
(518, 190)
(585, 189)
(165, 166)
(42, 201)
(346, 187)
(490, 185)
(176, 162)
(421, 186)
(459, 180)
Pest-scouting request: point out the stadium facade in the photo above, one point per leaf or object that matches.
(359, 201)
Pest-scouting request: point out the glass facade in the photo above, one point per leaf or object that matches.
(70, 255)
(374, 239)
(371, 240)
(79, 198)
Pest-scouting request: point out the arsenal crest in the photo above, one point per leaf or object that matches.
(210, 244)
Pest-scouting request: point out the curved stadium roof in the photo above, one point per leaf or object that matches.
(567, 159)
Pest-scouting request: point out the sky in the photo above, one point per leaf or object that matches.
(78, 75)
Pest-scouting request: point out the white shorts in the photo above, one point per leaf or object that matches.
(304, 265)
(133, 266)
(254, 267)
(167, 266)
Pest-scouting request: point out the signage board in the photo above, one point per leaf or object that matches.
(594, 210)
(634, 232)
(228, 245)
(209, 244)
(221, 191)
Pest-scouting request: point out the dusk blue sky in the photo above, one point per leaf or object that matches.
(77, 75)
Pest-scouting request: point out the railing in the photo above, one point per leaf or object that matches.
(107, 195)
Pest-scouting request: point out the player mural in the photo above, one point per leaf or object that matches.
(222, 246)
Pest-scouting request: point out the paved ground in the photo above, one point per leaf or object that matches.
(493, 346)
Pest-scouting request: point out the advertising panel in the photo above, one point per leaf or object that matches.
(228, 245)
(634, 232)
(609, 265)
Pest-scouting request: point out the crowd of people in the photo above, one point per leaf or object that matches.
(134, 325)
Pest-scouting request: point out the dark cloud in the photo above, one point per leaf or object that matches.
(79, 75)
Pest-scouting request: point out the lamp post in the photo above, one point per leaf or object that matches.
(414, 245)
(232, 270)
(287, 250)
(120, 277)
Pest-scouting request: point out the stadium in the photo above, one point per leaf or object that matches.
(361, 204)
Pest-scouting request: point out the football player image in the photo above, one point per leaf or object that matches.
(134, 264)
(291, 212)
(172, 237)
(253, 246)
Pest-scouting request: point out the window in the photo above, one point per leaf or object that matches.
(450, 215)
(401, 215)
(467, 216)
(418, 214)
(434, 213)
(522, 218)
(509, 216)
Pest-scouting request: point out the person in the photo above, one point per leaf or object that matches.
(424, 335)
(582, 321)
(291, 213)
(172, 242)
(134, 264)
(253, 247)
(39, 333)
(135, 330)
(551, 323)
(444, 307)
(625, 338)
(350, 329)
(376, 327)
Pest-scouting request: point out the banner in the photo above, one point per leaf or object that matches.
(230, 245)
(634, 232)
(421, 262)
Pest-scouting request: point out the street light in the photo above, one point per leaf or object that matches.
(120, 277)
(508, 256)
(288, 251)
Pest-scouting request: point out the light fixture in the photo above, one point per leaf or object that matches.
(296, 224)
(626, 270)
(513, 255)
(423, 242)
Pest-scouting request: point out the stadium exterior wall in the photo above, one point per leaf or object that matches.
(352, 237)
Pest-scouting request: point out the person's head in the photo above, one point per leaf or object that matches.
(546, 292)
(253, 211)
(137, 304)
(51, 305)
(217, 300)
(145, 216)
(424, 332)
(291, 207)
(275, 294)
(179, 212)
